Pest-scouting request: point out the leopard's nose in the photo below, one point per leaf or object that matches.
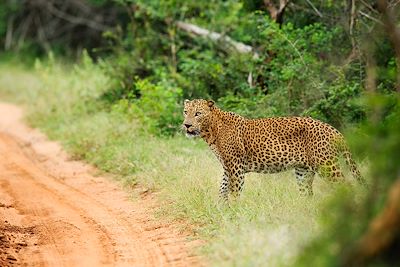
(187, 125)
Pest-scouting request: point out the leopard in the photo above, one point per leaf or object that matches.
(268, 145)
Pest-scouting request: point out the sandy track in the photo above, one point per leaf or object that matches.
(54, 212)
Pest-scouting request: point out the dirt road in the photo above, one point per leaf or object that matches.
(54, 212)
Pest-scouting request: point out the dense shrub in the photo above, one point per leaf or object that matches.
(157, 106)
(293, 75)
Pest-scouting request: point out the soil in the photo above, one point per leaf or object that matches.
(55, 211)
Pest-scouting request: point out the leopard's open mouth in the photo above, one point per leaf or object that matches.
(192, 133)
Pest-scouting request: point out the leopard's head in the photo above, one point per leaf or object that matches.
(197, 115)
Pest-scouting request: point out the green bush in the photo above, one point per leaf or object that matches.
(294, 74)
(157, 108)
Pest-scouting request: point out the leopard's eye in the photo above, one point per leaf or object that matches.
(197, 114)
(185, 112)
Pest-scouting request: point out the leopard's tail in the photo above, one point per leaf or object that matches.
(352, 165)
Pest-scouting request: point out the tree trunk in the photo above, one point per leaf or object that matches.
(276, 13)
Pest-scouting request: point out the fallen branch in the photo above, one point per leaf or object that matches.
(370, 17)
(315, 9)
(217, 37)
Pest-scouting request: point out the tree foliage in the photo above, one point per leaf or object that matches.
(311, 62)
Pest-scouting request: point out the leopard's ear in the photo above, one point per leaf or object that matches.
(210, 103)
(186, 101)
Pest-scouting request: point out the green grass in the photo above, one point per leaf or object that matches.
(267, 226)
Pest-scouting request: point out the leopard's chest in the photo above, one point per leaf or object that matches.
(217, 153)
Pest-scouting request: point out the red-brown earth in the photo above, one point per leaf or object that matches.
(55, 211)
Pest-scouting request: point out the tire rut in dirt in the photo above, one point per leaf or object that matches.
(75, 215)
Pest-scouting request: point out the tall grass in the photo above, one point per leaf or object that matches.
(267, 226)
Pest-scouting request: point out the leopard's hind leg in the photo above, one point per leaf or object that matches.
(305, 178)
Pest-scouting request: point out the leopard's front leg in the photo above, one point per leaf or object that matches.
(233, 178)
(236, 181)
(231, 184)
(224, 188)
